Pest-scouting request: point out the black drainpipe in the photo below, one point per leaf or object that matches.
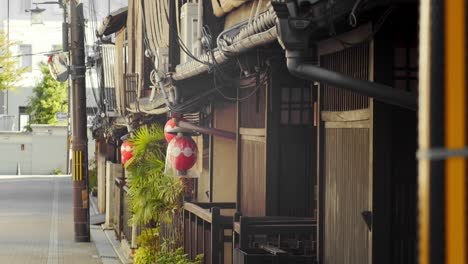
(387, 94)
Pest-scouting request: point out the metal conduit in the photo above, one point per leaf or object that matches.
(299, 68)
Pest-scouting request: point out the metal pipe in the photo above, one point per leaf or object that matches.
(211, 157)
(206, 130)
(193, 68)
(200, 27)
(299, 68)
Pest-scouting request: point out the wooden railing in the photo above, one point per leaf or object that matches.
(126, 215)
(118, 208)
(122, 212)
(204, 230)
(279, 239)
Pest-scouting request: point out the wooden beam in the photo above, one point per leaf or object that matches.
(198, 211)
(253, 138)
(353, 124)
(260, 132)
(346, 116)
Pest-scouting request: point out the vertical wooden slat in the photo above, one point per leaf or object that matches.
(190, 244)
(203, 238)
(347, 166)
(208, 256)
(215, 230)
(424, 130)
(455, 134)
(195, 234)
(253, 178)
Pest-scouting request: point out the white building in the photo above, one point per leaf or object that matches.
(35, 43)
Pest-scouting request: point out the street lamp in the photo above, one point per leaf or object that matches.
(36, 18)
(36, 15)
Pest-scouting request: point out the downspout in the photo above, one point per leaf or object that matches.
(200, 27)
(306, 70)
(206, 130)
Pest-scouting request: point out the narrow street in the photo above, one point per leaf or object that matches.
(36, 222)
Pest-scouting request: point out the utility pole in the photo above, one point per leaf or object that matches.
(79, 137)
(8, 47)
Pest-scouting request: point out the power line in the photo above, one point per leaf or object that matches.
(38, 53)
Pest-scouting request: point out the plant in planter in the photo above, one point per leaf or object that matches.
(153, 195)
(151, 251)
(154, 198)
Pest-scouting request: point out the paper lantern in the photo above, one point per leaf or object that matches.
(182, 153)
(126, 151)
(170, 124)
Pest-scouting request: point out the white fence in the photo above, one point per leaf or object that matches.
(39, 152)
(7, 122)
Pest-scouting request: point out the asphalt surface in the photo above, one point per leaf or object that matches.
(36, 222)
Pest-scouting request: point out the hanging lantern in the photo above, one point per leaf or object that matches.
(183, 153)
(126, 151)
(170, 124)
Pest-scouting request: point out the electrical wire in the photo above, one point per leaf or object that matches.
(257, 87)
(89, 72)
(193, 103)
(38, 53)
(218, 73)
(376, 28)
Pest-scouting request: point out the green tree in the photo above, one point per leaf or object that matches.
(49, 98)
(10, 73)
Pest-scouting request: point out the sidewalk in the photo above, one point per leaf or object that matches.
(108, 247)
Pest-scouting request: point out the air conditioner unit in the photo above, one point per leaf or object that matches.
(189, 30)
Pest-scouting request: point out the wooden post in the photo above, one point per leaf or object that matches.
(215, 231)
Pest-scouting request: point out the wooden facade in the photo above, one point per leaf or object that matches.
(346, 147)
(317, 173)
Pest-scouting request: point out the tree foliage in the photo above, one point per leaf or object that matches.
(10, 73)
(49, 97)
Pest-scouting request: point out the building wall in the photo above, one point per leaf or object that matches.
(49, 149)
(38, 152)
(16, 99)
(11, 153)
(225, 155)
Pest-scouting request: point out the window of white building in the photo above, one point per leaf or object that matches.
(23, 118)
(26, 59)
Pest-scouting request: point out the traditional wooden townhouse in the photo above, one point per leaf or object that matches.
(306, 115)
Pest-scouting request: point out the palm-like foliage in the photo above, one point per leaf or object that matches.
(153, 195)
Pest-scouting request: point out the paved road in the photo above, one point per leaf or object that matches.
(36, 223)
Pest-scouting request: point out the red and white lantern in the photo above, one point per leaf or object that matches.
(182, 151)
(170, 124)
(126, 151)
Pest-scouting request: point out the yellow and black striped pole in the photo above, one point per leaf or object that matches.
(443, 153)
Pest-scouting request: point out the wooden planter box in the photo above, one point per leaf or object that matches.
(260, 256)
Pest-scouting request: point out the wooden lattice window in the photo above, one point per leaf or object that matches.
(296, 106)
(405, 68)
